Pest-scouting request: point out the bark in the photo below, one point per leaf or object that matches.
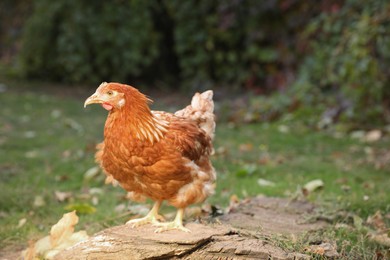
(244, 233)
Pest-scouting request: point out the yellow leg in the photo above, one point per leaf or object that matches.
(151, 217)
(176, 224)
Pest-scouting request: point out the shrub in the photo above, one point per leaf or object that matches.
(89, 41)
(243, 43)
(349, 60)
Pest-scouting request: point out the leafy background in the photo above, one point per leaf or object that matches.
(301, 89)
(333, 55)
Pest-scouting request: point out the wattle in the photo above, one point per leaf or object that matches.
(107, 106)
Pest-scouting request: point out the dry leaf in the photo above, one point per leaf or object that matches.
(95, 200)
(312, 186)
(95, 191)
(283, 129)
(246, 147)
(62, 196)
(377, 221)
(324, 249)
(21, 222)
(382, 239)
(221, 150)
(373, 136)
(265, 183)
(233, 203)
(110, 179)
(91, 173)
(39, 201)
(61, 236)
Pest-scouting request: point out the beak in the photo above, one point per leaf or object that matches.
(92, 100)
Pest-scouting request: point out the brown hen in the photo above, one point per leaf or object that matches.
(156, 154)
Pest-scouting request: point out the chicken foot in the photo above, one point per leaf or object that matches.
(176, 224)
(151, 217)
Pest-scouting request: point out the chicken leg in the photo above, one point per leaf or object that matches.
(151, 217)
(176, 224)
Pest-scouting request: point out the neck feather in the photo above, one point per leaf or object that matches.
(139, 121)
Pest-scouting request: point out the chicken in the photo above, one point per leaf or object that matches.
(155, 154)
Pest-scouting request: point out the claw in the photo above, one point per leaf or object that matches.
(141, 221)
(176, 224)
(151, 217)
(170, 226)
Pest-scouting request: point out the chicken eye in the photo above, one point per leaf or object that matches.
(110, 93)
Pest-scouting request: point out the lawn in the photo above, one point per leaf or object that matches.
(47, 144)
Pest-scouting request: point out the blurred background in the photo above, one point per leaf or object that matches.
(302, 95)
(331, 56)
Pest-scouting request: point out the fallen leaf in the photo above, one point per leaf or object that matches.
(382, 239)
(62, 196)
(345, 187)
(221, 150)
(30, 134)
(323, 249)
(55, 113)
(357, 222)
(31, 154)
(110, 179)
(247, 169)
(81, 208)
(377, 221)
(234, 201)
(91, 173)
(246, 147)
(373, 136)
(283, 129)
(265, 183)
(312, 186)
(95, 191)
(95, 200)
(358, 134)
(61, 236)
(264, 159)
(39, 201)
(21, 222)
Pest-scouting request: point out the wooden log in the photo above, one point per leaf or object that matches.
(204, 242)
(241, 235)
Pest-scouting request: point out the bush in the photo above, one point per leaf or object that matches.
(89, 41)
(243, 43)
(348, 64)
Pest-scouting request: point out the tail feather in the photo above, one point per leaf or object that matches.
(201, 110)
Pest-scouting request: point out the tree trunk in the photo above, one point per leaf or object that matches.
(244, 233)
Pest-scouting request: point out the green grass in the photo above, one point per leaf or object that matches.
(47, 145)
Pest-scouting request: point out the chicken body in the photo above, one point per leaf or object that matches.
(155, 154)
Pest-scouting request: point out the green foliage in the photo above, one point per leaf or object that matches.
(235, 42)
(80, 41)
(349, 60)
(242, 43)
(335, 54)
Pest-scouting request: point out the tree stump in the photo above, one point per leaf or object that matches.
(241, 235)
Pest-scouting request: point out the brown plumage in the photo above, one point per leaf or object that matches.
(155, 154)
